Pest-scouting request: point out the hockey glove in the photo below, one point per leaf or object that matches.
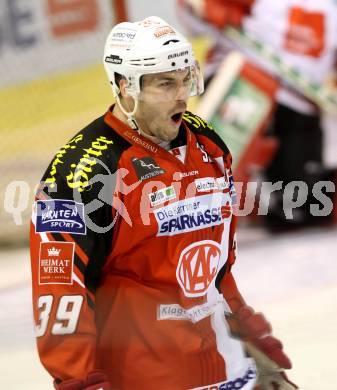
(96, 380)
(270, 375)
(267, 351)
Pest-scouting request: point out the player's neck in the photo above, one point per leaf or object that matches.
(117, 112)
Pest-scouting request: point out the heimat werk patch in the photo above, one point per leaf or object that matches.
(56, 262)
(146, 168)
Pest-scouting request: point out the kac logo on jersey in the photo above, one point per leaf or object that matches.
(198, 267)
(146, 168)
(60, 216)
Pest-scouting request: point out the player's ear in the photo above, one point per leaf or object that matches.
(123, 83)
(124, 94)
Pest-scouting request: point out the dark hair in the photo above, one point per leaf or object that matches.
(141, 80)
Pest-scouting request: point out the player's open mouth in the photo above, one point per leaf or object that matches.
(177, 117)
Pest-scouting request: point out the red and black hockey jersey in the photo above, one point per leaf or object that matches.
(131, 250)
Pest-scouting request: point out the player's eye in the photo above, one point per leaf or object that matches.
(166, 83)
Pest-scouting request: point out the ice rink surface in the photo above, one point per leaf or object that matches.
(292, 278)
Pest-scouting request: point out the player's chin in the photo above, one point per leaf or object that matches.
(170, 133)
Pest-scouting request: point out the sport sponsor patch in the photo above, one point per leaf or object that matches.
(146, 168)
(198, 267)
(182, 175)
(193, 214)
(123, 34)
(163, 31)
(60, 216)
(56, 262)
(194, 314)
(222, 183)
(207, 184)
(81, 173)
(162, 195)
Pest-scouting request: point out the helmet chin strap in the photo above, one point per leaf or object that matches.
(129, 115)
(134, 124)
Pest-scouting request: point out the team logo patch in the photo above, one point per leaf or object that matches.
(60, 216)
(146, 168)
(56, 262)
(161, 196)
(198, 267)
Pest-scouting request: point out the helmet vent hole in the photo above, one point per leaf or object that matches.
(186, 61)
(173, 64)
(150, 61)
(171, 41)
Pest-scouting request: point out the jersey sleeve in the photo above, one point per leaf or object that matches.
(226, 282)
(70, 239)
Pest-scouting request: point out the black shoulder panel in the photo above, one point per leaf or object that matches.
(199, 126)
(94, 150)
(83, 170)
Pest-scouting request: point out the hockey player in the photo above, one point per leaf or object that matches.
(133, 240)
(304, 34)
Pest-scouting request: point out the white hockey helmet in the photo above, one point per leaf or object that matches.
(147, 47)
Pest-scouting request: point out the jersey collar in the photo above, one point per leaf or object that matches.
(133, 137)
